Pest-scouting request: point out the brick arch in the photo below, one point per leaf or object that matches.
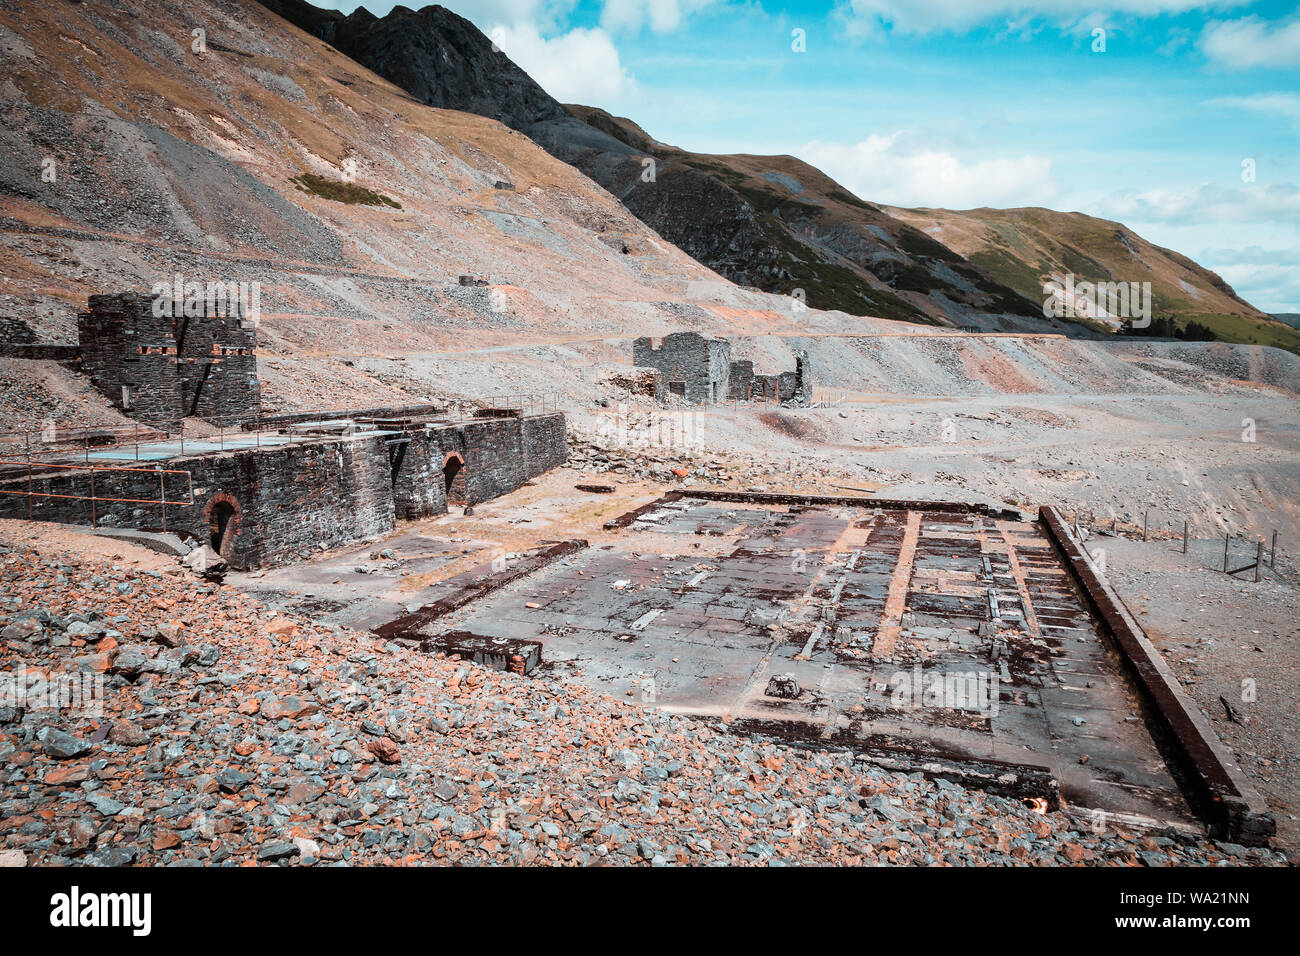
(212, 512)
(453, 477)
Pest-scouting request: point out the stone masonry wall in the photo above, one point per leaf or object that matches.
(418, 490)
(702, 364)
(289, 501)
(201, 365)
(793, 386)
(123, 343)
(545, 443)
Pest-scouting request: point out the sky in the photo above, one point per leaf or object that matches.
(1179, 118)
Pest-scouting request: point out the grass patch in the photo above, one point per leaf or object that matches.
(339, 191)
(1249, 331)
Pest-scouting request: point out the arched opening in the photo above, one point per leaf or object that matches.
(219, 524)
(453, 478)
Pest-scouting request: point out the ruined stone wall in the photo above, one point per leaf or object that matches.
(418, 490)
(740, 380)
(286, 501)
(217, 367)
(174, 367)
(124, 344)
(15, 331)
(545, 443)
(492, 450)
(793, 386)
(803, 388)
(697, 369)
(289, 501)
(499, 455)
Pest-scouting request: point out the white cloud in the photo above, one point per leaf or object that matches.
(899, 170)
(1252, 42)
(1286, 105)
(662, 16)
(1210, 203)
(867, 17)
(1265, 284)
(581, 66)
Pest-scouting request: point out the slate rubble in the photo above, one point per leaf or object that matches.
(247, 737)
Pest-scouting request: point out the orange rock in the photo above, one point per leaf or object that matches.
(165, 841)
(67, 776)
(386, 750)
(282, 629)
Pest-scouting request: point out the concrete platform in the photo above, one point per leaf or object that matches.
(930, 635)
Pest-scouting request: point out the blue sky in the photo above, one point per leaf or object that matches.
(964, 103)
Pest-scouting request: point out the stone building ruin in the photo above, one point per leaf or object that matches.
(263, 489)
(700, 371)
(160, 369)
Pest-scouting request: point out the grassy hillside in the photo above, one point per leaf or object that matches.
(814, 234)
(1026, 247)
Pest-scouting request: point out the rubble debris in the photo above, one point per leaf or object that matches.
(784, 686)
(478, 757)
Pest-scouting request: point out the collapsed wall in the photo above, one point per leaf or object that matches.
(160, 365)
(792, 387)
(695, 368)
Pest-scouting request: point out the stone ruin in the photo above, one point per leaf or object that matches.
(160, 369)
(268, 489)
(700, 371)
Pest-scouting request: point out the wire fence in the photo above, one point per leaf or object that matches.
(1239, 553)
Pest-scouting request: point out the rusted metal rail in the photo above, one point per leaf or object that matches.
(473, 584)
(94, 498)
(1216, 789)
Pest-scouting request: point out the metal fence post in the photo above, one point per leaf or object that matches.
(1226, 538)
(1184, 537)
(1259, 558)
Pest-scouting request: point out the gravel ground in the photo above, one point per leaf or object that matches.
(33, 392)
(1228, 639)
(231, 734)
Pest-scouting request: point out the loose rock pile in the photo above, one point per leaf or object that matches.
(231, 734)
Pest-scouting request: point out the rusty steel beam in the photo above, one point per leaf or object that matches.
(1015, 780)
(625, 519)
(1216, 789)
(887, 504)
(407, 626)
